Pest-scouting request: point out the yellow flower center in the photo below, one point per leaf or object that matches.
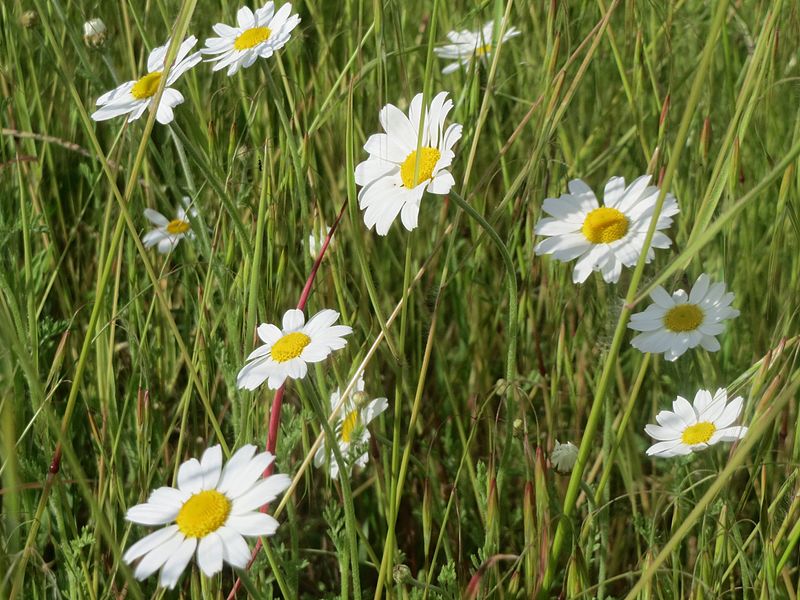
(427, 161)
(699, 433)
(289, 346)
(146, 86)
(605, 225)
(684, 317)
(251, 37)
(349, 425)
(176, 227)
(203, 513)
(483, 50)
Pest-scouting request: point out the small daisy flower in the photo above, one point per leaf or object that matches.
(287, 352)
(564, 456)
(168, 233)
(682, 321)
(258, 35)
(389, 186)
(689, 428)
(604, 238)
(469, 45)
(134, 97)
(351, 429)
(315, 241)
(208, 513)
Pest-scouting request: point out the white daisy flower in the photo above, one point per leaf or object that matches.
(168, 233)
(387, 177)
(315, 241)
(286, 352)
(682, 321)
(258, 35)
(351, 429)
(604, 238)
(209, 512)
(468, 45)
(134, 97)
(564, 456)
(690, 428)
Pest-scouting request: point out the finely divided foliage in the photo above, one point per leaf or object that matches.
(598, 219)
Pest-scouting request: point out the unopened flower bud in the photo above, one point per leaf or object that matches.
(94, 33)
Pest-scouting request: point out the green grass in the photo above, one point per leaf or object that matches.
(126, 360)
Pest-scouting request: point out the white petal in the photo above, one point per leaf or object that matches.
(210, 466)
(209, 554)
(253, 524)
(235, 550)
(293, 320)
(172, 569)
(154, 559)
(260, 494)
(149, 542)
(190, 476)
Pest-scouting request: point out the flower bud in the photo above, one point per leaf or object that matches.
(564, 456)
(94, 33)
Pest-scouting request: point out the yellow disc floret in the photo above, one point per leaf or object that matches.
(146, 86)
(699, 433)
(483, 50)
(684, 317)
(349, 425)
(289, 346)
(427, 162)
(251, 38)
(176, 227)
(605, 225)
(203, 513)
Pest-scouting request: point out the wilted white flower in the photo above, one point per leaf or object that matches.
(563, 456)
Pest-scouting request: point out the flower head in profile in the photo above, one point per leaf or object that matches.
(168, 233)
(315, 240)
(286, 352)
(207, 514)
(257, 35)
(134, 97)
(466, 46)
(604, 238)
(352, 435)
(402, 166)
(564, 456)
(691, 427)
(677, 323)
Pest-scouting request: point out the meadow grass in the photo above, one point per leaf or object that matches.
(118, 363)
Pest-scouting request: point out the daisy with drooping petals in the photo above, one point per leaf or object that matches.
(688, 428)
(351, 430)
(604, 238)
(399, 169)
(134, 97)
(168, 233)
(208, 513)
(682, 321)
(468, 45)
(286, 352)
(564, 456)
(258, 35)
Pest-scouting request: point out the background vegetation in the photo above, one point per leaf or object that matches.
(128, 359)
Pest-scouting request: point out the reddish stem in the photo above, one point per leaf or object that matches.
(277, 401)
